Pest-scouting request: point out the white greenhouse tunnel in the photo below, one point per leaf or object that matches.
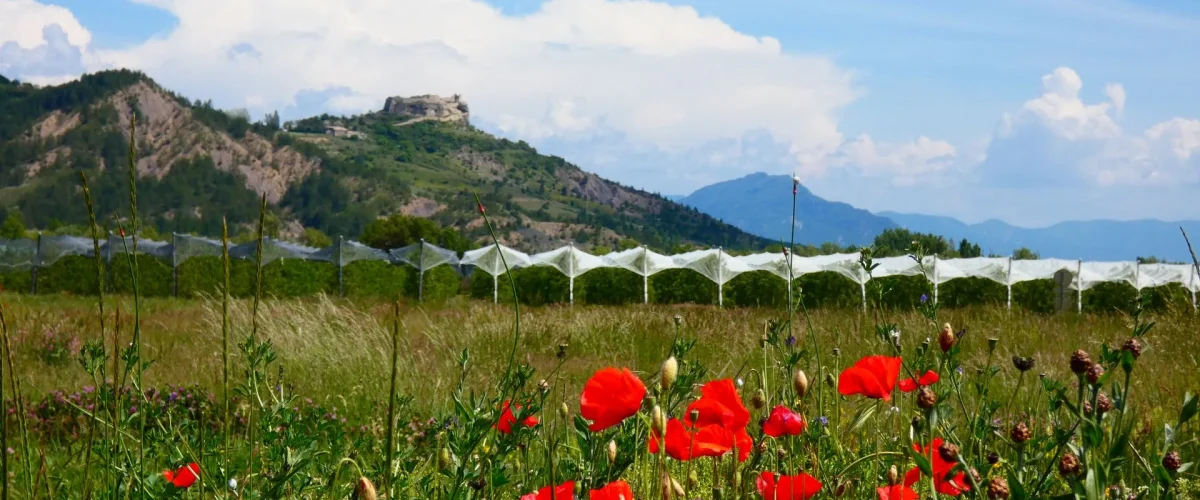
(714, 264)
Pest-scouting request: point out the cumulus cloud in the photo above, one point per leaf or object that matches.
(904, 163)
(41, 44)
(1057, 139)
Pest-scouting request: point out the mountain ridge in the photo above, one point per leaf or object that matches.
(197, 163)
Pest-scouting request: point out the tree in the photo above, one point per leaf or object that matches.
(899, 241)
(401, 230)
(315, 238)
(1025, 254)
(967, 250)
(14, 226)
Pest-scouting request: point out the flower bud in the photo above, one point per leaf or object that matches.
(997, 488)
(926, 398)
(1172, 462)
(612, 451)
(1134, 347)
(800, 383)
(364, 489)
(1080, 361)
(1023, 363)
(657, 421)
(564, 411)
(1068, 465)
(759, 399)
(893, 476)
(1094, 373)
(444, 458)
(948, 452)
(670, 370)
(946, 338)
(1020, 433)
(678, 320)
(1103, 403)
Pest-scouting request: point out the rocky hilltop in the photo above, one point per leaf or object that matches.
(428, 108)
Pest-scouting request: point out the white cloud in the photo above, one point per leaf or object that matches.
(22, 21)
(1061, 110)
(1057, 138)
(903, 162)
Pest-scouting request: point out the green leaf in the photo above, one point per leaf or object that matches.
(1015, 488)
(1164, 477)
(1190, 402)
(1119, 444)
(1092, 485)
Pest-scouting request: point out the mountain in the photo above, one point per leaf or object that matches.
(416, 155)
(761, 204)
(1101, 240)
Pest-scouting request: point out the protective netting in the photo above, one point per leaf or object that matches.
(714, 264)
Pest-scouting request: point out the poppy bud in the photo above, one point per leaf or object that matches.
(759, 400)
(670, 485)
(926, 398)
(782, 453)
(693, 481)
(800, 383)
(670, 370)
(364, 490)
(840, 490)
(1068, 465)
(657, 422)
(997, 489)
(830, 380)
(564, 411)
(481, 210)
(893, 476)
(1080, 361)
(946, 339)
(444, 458)
(612, 451)
(1172, 462)
(1134, 347)
(1095, 372)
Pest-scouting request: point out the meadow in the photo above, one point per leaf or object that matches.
(223, 396)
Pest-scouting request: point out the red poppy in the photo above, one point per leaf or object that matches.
(184, 477)
(929, 378)
(565, 491)
(953, 487)
(616, 490)
(800, 486)
(872, 376)
(720, 404)
(507, 419)
(896, 492)
(611, 396)
(784, 422)
(685, 442)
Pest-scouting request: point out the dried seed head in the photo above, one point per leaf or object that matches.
(1103, 403)
(364, 490)
(678, 320)
(1134, 347)
(1080, 361)
(1172, 462)
(993, 458)
(997, 489)
(762, 341)
(893, 476)
(759, 399)
(926, 398)
(782, 453)
(562, 350)
(1068, 465)
(612, 451)
(1023, 363)
(800, 383)
(543, 385)
(1095, 372)
(840, 490)
(946, 339)
(670, 370)
(1020, 433)
(948, 451)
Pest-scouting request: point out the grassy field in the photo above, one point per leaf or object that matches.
(335, 356)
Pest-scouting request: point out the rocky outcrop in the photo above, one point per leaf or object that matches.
(428, 107)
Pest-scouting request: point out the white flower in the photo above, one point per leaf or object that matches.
(233, 483)
(895, 334)
(739, 382)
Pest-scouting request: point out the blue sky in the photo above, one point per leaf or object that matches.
(1027, 111)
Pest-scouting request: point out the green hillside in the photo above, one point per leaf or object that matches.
(197, 163)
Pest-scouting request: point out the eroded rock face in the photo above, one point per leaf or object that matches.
(428, 107)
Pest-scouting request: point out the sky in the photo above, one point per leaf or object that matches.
(1028, 111)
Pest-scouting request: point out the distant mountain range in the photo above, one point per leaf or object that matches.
(760, 204)
(1089, 240)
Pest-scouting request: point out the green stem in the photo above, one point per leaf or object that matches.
(391, 424)
(225, 348)
(99, 265)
